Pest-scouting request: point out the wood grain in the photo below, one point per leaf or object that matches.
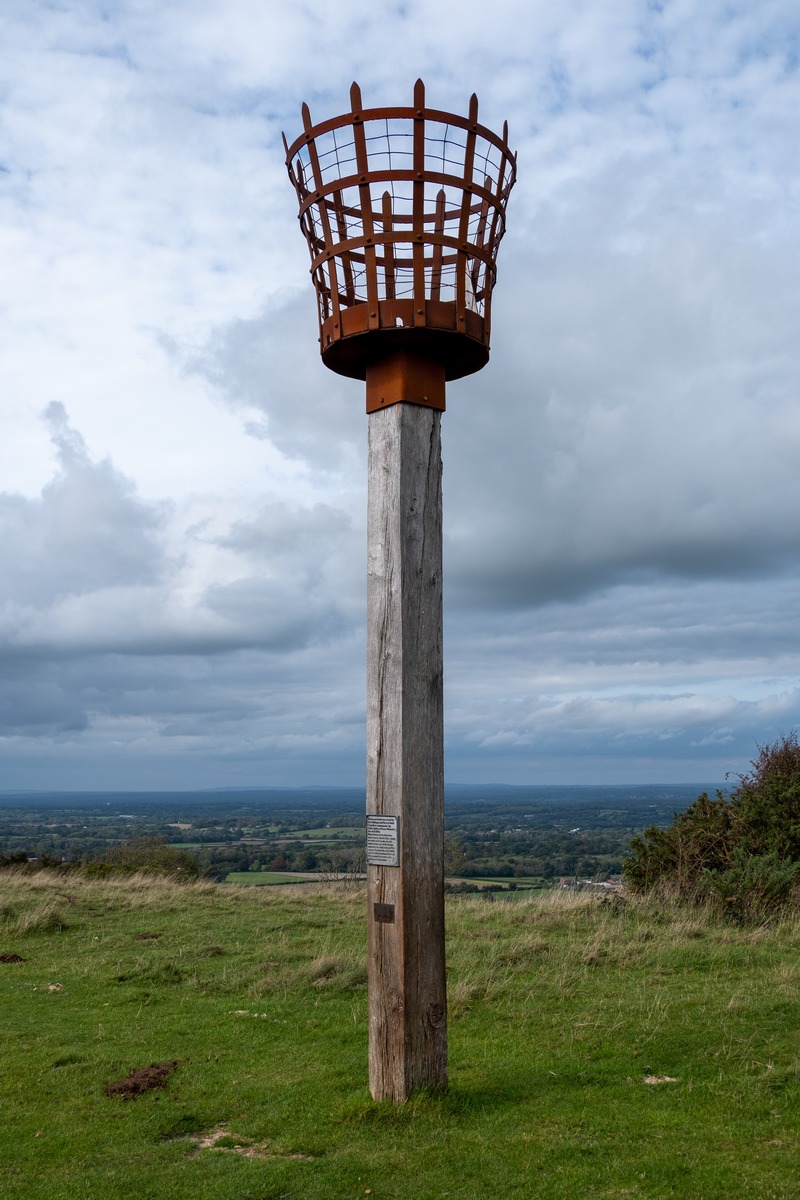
(405, 774)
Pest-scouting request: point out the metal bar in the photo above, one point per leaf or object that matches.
(466, 208)
(323, 213)
(365, 193)
(418, 203)
(436, 270)
(495, 234)
(347, 266)
(388, 253)
(479, 243)
(315, 243)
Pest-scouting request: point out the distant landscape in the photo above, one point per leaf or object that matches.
(500, 836)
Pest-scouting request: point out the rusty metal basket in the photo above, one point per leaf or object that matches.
(403, 210)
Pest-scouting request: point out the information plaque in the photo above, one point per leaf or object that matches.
(383, 842)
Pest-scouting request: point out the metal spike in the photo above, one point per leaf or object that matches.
(355, 97)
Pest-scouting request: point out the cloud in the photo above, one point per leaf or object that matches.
(101, 588)
(88, 530)
(270, 366)
(182, 595)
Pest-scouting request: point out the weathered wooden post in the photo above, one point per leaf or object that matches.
(403, 210)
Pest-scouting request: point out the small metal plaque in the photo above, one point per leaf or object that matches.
(383, 913)
(383, 842)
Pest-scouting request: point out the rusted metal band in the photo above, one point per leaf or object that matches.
(340, 249)
(397, 114)
(396, 175)
(405, 378)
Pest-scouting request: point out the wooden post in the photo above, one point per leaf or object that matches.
(405, 774)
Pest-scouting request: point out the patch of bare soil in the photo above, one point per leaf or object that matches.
(223, 1140)
(11, 958)
(147, 937)
(143, 1080)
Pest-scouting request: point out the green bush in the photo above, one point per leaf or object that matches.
(756, 885)
(767, 800)
(699, 840)
(741, 850)
(147, 854)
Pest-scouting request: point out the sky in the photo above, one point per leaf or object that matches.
(183, 484)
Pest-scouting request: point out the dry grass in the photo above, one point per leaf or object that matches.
(47, 916)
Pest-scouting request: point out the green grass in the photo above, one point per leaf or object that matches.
(560, 1007)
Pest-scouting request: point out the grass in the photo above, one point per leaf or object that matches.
(562, 1007)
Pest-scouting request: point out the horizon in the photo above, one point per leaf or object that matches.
(359, 790)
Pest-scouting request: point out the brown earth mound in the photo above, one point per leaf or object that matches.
(11, 958)
(143, 1080)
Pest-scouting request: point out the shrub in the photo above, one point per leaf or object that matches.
(148, 854)
(756, 885)
(700, 839)
(767, 800)
(742, 849)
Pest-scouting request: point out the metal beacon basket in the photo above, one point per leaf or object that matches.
(403, 210)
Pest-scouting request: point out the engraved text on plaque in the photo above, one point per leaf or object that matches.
(383, 843)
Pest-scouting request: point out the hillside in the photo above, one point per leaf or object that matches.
(598, 1049)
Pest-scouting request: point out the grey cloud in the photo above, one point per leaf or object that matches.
(88, 529)
(39, 708)
(663, 635)
(280, 531)
(271, 363)
(101, 647)
(95, 609)
(663, 678)
(288, 617)
(691, 736)
(637, 421)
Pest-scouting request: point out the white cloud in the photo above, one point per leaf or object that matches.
(182, 594)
